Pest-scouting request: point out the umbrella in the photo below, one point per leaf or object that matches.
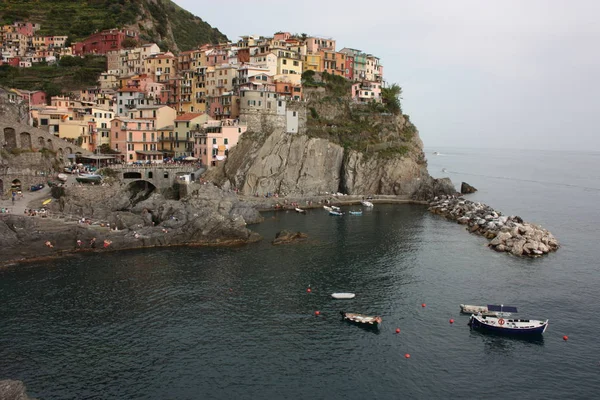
(190, 158)
(46, 202)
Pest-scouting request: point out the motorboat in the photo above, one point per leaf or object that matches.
(369, 321)
(366, 203)
(507, 326)
(299, 210)
(88, 178)
(355, 212)
(489, 310)
(327, 208)
(35, 188)
(336, 208)
(435, 153)
(343, 295)
(336, 213)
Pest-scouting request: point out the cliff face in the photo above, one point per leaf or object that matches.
(338, 148)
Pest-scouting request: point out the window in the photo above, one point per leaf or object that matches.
(293, 113)
(130, 137)
(284, 62)
(226, 141)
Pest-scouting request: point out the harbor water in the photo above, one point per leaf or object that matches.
(191, 323)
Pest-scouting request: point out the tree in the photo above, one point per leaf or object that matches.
(129, 43)
(391, 98)
(105, 149)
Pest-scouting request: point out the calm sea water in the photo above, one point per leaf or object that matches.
(193, 323)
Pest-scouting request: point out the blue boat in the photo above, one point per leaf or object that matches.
(355, 212)
(336, 213)
(502, 323)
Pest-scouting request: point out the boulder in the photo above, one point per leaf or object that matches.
(13, 390)
(465, 188)
(284, 237)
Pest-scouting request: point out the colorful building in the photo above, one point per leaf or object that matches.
(214, 140)
(103, 42)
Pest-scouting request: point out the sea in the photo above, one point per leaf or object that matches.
(240, 323)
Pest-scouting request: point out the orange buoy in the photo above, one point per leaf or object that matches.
(308, 290)
(451, 321)
(565, 338)
(423, 305)
(317, 312)
(397, 330)
(407, 355)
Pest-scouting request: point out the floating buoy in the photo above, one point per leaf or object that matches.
(451, 321)
(423, 305)
(317, 312)
(308, 290)
(397, 330)
(565, 338)
(407, 355)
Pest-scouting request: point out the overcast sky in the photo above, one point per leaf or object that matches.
(504, 74)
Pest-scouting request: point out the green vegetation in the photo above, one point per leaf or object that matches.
(71, 73)
(391, 98)
(80, 18)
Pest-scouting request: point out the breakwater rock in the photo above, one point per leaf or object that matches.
(283, 237)
(13, 390)
(506, 233)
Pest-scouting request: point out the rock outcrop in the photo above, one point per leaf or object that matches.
(13, 390)
(465, 188)
(127, 217)
(506, 233)
(284, 237)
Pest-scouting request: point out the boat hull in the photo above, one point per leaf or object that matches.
(343, 295)
(369, 322)
(520, 328)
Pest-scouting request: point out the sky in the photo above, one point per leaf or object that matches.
(510, 74)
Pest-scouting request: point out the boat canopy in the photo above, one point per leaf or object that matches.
(501, 308)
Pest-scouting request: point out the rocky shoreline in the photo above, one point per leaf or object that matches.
(506, 233)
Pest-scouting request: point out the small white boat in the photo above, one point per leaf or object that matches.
(62, 177)
(299, 210)
(336, 208)
(435, 153)
(343, 295)
(328, 208)
(336, 213)
(508, 326)
(355, 212)
(489, 310)
(366, 203)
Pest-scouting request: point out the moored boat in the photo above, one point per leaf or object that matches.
(355, 212)
(369, 321)
(62, 177)
(490, 309)
(343, 295)
(336, 213)
(336, 208)
(366, 203)
(327, 208)
(507, 326)
(299, 210)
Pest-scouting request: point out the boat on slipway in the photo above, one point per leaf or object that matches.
(366, 203)
(367, 321)
(88, 178)
(327, 208)
(299, 210)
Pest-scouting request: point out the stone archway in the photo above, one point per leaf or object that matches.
(50, 144)
(60, 153)
(10, 138)
(132, 175)
(41, 142)
(25, 140)
(68, 150)
(16, 185)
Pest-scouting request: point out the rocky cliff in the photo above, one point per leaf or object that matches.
(340, 147)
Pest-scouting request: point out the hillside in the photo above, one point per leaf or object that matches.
(160, 21)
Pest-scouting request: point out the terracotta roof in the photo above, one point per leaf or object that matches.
(188, 116)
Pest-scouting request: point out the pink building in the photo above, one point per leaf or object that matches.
(214, 140)
(315, 44)
(135, 140)
(33, 98)
(366, 92)
(282, 36)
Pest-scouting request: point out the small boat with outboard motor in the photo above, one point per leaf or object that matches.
(343, 295)
(486, 310)
(502, 323)
(367, 321)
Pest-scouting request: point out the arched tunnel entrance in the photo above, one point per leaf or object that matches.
(140, 190)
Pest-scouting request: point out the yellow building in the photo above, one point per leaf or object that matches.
(312, 62)
(289, 66)
(183, 133)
